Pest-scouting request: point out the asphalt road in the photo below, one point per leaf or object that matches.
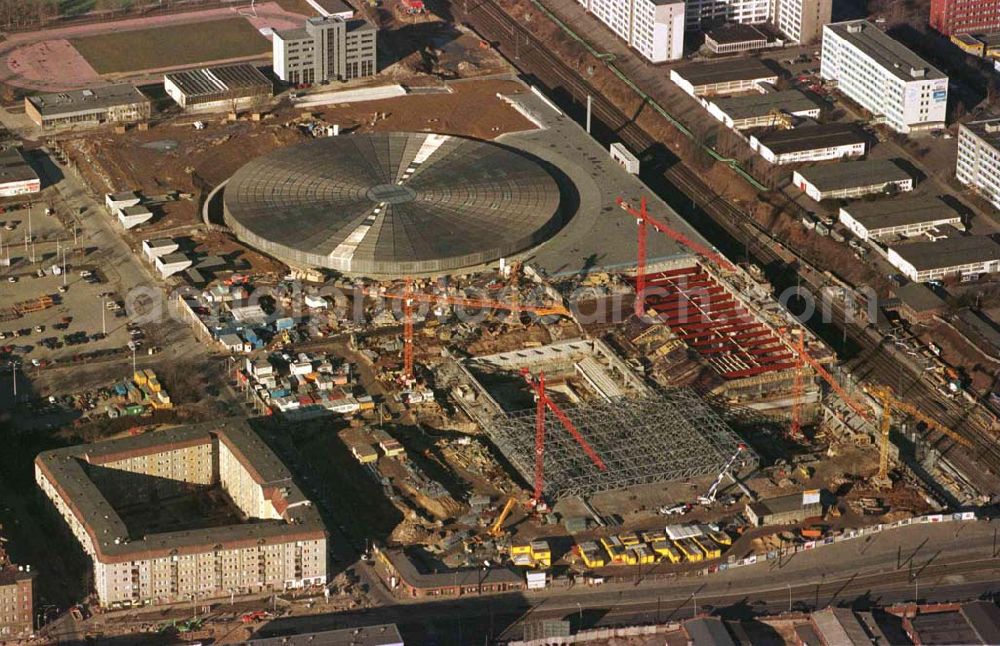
(941, 562)
(483, 620)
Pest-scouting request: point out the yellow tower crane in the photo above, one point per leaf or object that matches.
(888, 400)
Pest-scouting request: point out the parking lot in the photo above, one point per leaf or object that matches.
(85, 330)
(77, 321)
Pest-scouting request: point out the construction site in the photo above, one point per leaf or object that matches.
(551, 368)
(568, 442)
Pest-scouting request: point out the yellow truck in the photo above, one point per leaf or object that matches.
(629, 539)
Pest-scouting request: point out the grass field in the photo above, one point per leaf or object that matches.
(173, 45)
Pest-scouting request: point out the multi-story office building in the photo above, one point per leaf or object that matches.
(802, 20)
(884, 77)
(952, 17)
(701, 14)
(121, 499)
(978, 164)
(654, 28)
(325, 49)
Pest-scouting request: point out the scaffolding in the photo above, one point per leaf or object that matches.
(665, 436)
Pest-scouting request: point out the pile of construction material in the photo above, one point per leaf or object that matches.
(138, 396)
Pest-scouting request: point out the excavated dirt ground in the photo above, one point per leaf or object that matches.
(175, 158)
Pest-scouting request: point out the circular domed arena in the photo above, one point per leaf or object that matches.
(385, 205)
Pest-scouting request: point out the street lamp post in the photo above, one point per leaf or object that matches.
(789, 596)
(104, 324)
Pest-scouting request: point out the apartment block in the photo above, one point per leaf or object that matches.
(978, 163)
(325, 49)
(802, 20)
(110, 495)
(654, 28)
(884, 77)
(17, 600)
(952, 17)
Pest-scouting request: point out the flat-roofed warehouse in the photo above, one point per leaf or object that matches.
(17, 177)
(810, 143)
(934, 260)
(722, 77)
(119, 103)
(906, 217)
(764, 110)
(852, 179)
(226, 87)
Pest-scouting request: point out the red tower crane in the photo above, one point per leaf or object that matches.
(798, 389)
(409, 297)
(543, 402)
(643, 218)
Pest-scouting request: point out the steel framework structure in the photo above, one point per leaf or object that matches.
(667, 436)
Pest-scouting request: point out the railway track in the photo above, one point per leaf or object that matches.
(531, 56)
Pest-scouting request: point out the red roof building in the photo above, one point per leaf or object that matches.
(965, 16)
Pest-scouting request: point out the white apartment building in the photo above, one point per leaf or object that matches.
(978, 165)
(654, 28)
(698, 13)
(96, 488)
(802, 20)
(884, 77)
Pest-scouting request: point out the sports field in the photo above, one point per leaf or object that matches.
(171, 46)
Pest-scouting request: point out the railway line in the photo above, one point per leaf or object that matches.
(531, 56)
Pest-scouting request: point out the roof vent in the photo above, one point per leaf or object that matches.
(918, 72)
(992, 126)
(855, 28)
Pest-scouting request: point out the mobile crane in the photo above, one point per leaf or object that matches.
(496, 529)
(709, 497)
